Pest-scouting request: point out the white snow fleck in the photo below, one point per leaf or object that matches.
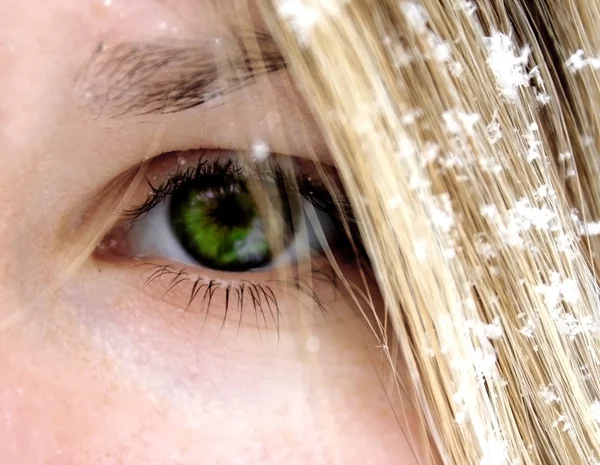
(484, 363)
(557, 290)
(260, 151)
(395, 202)
(484, 248)
(421, 250)
(495, 453)
(565, 243)
(587, 140)
(441, 50)
(456, 68)
(543, 98)
(494, 131)
(302, 18)
(410, 117)
(533, 142)
(564, 156)
(590, 228)
(519, 219)
(562, 420)
(442, 214)
(429, 154)
(528, 328)
(468, 6)
(548, 395)
(508, 64)
(406, 148)
(595, 411)
(577, 62)
(489, 211)
(457, 121)
(492, 330)
(415, 14)
(418, 181)
(544, 191)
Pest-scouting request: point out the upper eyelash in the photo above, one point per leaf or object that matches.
(175, 181)
(217, 173)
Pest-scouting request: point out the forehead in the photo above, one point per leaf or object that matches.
(43, 25)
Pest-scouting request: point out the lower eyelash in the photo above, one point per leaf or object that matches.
(262, 297)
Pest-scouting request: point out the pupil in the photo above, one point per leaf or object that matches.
(229, 212)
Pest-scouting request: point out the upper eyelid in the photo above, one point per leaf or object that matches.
(145, 78)
(186, 174)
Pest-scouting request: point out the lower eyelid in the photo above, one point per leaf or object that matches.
(267, 301)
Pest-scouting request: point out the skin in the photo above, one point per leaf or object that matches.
(97, 369)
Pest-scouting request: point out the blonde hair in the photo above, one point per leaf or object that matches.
(465, 137)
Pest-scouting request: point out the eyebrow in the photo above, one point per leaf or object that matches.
(148, 78)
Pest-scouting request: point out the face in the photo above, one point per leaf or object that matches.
(145, 315)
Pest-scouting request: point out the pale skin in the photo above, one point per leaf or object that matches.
(97, 369)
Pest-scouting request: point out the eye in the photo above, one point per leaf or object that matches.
(207, 216)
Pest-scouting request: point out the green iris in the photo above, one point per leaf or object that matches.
(221, 228)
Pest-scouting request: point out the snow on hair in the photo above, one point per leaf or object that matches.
(462, 135)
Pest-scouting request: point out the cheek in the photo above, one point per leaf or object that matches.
(57, 409)
(65, 414)
(121, 386)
